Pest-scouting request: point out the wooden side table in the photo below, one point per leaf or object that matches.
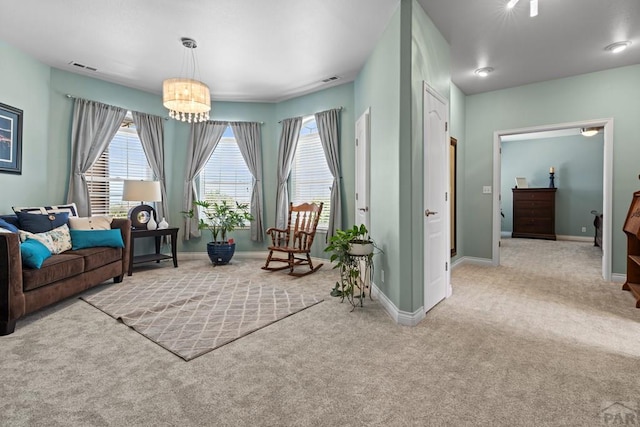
(157, 256)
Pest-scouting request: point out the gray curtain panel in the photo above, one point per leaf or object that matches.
(151, 132)
(329, 130)
(203, 139)
(286, 151)
(94, 126)
(249, 139)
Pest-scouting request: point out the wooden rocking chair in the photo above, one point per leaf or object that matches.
(296, 239)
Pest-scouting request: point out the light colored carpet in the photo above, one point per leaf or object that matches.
(194, 313)
(538, 341)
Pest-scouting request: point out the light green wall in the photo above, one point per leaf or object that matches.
(607, 94)
(25, 85)
(378, 87)
(410, 51)
(578, 163)
(429, 63)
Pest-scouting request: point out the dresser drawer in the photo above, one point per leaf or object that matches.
(522, 196)
(534, 204)
(533, 223)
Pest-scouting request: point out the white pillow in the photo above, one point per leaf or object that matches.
(57, 240)
(90, 223)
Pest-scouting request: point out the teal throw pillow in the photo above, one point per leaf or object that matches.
(38, 223)
(33, 253)
(81, 239)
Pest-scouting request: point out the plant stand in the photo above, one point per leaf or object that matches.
(363, 265)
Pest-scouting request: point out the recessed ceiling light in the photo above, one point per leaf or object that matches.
(512, 4)
(484, 72)
(618, 46)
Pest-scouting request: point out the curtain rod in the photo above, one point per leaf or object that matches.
(128, 109)
(337, 108)
(166, 118)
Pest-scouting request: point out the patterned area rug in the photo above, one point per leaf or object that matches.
(194, 313)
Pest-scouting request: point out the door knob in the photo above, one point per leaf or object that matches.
(364, 209)
(428, 212)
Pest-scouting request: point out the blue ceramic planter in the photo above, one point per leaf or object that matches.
(220, 253)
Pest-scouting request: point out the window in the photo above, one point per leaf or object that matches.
(123, 159)
(310, 178)
(226, 176)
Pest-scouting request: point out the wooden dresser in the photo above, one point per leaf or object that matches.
(534, 213)
(632, 230)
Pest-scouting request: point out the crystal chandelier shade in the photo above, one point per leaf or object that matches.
(187, 99)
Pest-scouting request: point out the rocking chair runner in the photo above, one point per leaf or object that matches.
(295, 239)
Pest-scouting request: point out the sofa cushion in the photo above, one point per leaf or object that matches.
(33, 253)
(37, 223)
(97, 257)
(81, 239)
(8, 226)
(56, 268)
(57, 240)
(69, 208)
(90, 223)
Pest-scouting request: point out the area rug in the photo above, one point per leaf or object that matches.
(194, 313)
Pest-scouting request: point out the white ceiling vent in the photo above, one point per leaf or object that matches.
(330, 79)
(84, 67)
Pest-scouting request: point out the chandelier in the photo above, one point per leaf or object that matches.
(187, 99)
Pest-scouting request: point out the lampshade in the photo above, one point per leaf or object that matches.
(186, 98)
(141, 191)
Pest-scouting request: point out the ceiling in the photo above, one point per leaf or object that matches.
(274, 50)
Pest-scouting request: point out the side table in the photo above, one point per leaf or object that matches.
(157, 256)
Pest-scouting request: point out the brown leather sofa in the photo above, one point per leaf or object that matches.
(24, 290)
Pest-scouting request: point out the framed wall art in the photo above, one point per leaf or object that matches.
(10, 139)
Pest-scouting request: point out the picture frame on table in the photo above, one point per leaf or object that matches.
(10, 139)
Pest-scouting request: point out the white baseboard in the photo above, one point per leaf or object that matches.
(404, 318)
(618, 277)
(504, 234)
(472, 260)
(575, 238)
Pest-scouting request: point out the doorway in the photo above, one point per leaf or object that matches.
(362, 172)
(607, 125)
(436, 204)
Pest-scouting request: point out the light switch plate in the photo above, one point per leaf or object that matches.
(486, 189)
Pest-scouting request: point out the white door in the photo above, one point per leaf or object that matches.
(362, 170)
(436, 205)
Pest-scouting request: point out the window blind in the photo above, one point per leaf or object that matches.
(123, 159)
(310, 178)
(226, 176)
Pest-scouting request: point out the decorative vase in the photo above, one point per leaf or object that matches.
(152, 224)
(163, 224)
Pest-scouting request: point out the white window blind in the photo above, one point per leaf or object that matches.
(310, 178)
(226, 176)
(123, 159)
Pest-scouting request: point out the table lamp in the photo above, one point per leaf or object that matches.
(141, 191)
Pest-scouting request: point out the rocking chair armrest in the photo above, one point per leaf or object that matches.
(279, 237)
(271, 230)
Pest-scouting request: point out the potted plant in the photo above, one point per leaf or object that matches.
(349, 249)
(220, 219)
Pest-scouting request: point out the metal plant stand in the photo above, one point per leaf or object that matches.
(363, 265)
